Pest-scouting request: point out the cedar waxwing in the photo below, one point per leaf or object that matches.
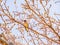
(26, 25)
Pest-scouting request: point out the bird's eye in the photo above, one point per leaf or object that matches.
(24, 20)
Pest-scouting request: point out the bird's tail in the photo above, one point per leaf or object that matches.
(26, 29)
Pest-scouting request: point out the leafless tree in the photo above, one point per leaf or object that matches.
(43, 29)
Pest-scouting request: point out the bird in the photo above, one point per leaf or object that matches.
(26, 25)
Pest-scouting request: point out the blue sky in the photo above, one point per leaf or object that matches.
(54, 9)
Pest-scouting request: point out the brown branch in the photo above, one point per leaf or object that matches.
(42, 18)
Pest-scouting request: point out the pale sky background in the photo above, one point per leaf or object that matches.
(54, 9)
